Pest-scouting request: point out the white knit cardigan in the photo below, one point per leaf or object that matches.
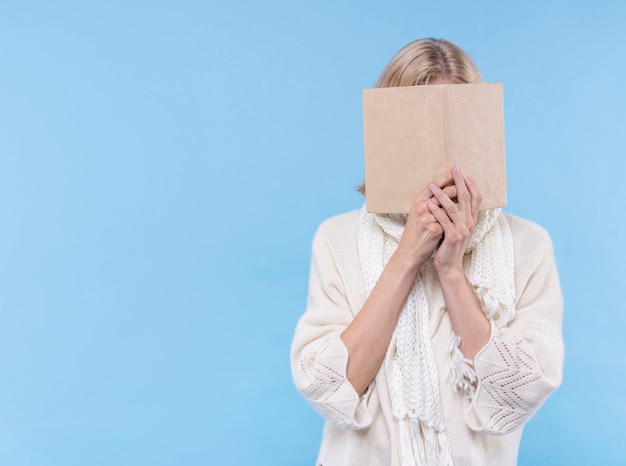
(517, 369)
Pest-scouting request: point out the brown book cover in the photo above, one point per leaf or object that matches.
(413, 134)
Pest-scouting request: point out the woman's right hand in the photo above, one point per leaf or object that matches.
(423, 232)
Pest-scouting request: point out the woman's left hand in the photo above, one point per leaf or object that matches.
(456, 219)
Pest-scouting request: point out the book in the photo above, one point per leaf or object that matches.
(414, 134)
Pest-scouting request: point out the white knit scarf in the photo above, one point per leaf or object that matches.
(410, 362)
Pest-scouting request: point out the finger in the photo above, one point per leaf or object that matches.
(440, 215)
(475, 195)
(441, 181)
(449, 191)
(446, 203)
(464, 197)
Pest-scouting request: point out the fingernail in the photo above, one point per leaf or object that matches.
(466, 176)
(456, 169)
(433, 186)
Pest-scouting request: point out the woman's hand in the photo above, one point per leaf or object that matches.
(423, 230)
(457, 220)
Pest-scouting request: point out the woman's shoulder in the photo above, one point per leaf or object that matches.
(341, 227)
(529, 236)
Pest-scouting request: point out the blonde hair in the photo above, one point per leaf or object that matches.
(425, 60)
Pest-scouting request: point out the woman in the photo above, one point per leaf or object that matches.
(429, 339)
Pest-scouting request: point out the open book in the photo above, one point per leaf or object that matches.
(413, 134)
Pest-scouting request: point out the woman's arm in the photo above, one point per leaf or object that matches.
(457, 221)
(522, 364)
(517, 367)
(368, 335)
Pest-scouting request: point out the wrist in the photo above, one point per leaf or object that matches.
(453, 274)
(407, 263)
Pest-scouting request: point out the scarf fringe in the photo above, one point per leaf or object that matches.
(494, 307)
(461, 370)
(422, 445)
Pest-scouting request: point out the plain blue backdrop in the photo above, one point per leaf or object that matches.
(164, 165)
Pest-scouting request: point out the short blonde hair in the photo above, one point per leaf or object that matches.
(425, 60)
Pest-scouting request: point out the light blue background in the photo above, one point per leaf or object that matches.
(164, 165)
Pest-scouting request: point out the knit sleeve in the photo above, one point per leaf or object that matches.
(319, 358)
(522, 363)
